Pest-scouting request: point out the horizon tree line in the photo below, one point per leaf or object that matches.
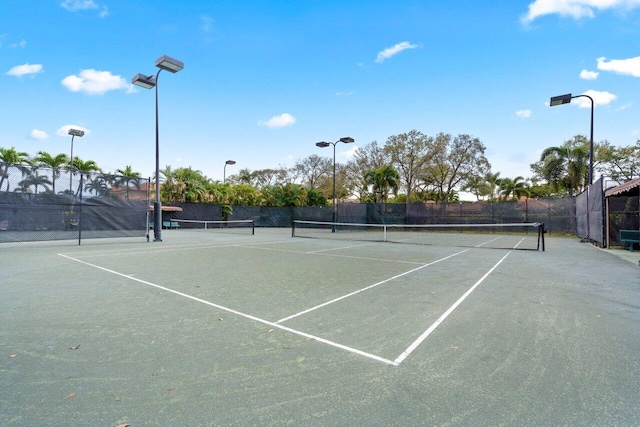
(409, 168)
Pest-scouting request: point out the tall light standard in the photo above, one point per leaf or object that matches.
(224, 172)
(565, 99)
(79, 134)
(323, 144)
(173, 66)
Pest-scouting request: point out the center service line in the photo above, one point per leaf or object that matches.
(368, 287)
(238, 313)
(446, 314)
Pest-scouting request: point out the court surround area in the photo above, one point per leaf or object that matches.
(215, 327)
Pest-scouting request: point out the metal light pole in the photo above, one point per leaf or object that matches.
(73, 133)
(224, 172)
(565, 99)
(323, 144)
(173, 66)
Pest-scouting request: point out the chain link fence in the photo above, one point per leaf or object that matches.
(39, 204)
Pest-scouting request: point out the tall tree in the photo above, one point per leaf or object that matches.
(410, 153)
(34, 180)
(9, 157)
(128, 177)
(312, 169)
(85, 168)
(619, 163)
(54, 162)
(383, 180)
(368, 158)
(454, 161)
(514, 188)
(566, 166)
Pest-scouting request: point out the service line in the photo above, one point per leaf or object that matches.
(238, 313)
(446, 314)
(368, 287)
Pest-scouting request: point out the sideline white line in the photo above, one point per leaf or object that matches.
(238, 313)
(368, 287)
(446, 314)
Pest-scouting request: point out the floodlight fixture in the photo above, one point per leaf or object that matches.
(323, 144)
(169, 64)
(76, 132)
(224, 171)
(559, 100)
(347, 140)
(147, 82)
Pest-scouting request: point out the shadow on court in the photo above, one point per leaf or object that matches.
(229, 329)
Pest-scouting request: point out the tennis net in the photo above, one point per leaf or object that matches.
(244, 226)
(527, 236)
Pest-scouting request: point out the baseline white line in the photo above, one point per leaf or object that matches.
(446, 314)
(368, 287)
(238, 313)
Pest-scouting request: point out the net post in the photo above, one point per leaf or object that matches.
(293, 228)
(253, 227)
(540, 226)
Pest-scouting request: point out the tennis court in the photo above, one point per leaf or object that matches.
(219, 327)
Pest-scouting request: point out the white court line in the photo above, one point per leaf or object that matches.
(446, 314)
(342, 247)
(368, 287)
(170, 248)
(238, 313)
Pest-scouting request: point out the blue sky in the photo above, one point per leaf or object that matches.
(265, 80)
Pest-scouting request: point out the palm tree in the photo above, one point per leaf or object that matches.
(514, 188)
(85, 168)
(128, 176)
(99, 185)
(493, 181)
(55, 163)
(383, 179)
(9, 156)
(566, 166)
(34, 180)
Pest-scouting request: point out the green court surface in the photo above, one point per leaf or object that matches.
(207, 328)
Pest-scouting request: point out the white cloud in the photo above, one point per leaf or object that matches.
(80, 5)
(588, 75)
(39, 134)
(350, 152)
(26, 69)
(599, 98)
(64, 130)
(523, 114)
(575, 9)
(280, 121)
(344, 93)
(94, 82)
(76, 5)
(630, 66)
(21, 44)
(390, 51)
